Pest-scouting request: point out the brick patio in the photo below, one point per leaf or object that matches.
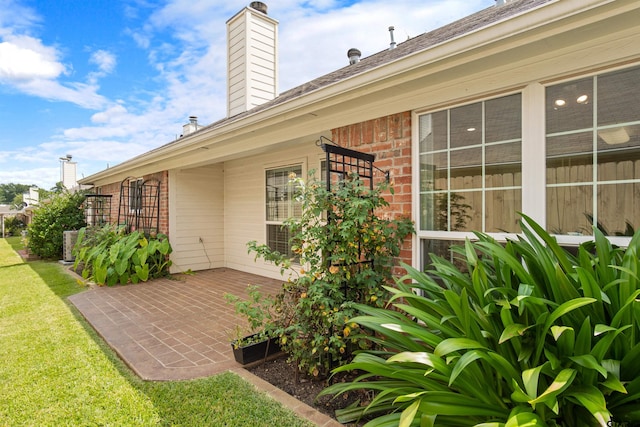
(178, 329)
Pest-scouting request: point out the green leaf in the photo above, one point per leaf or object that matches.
(407, 416)
(464, 361)
(423, 358)
(530, 379)
(601, 329)
(525, 419)
(451, 345)
(589, 362)
(559, 384)
(613, 383)
(594, 402)
(451, 403)
(519, 395)
(511, 331)
(142, 272)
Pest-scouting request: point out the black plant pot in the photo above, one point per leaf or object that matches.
(254, 351)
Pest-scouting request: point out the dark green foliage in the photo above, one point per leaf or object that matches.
(8, 192)
(340, 261)
(108, 255)
(13, 226)
(530, 335)
(60, 213)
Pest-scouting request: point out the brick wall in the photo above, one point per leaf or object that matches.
(114, 190)
(389, 139)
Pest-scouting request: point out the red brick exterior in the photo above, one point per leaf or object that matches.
(114, 190)
(389, 139)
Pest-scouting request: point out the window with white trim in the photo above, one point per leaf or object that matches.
(470, 167)
(135, 194)
(280, 205)
(593, 154)
(470, 171)
(587, 134)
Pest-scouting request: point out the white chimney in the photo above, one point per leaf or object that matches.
(252, 59)
(68, 171)
(190, 127)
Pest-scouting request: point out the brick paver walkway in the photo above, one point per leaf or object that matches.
(171, 329)
(174, 329)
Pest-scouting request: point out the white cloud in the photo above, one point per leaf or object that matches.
(106, 61)
(191, 68)
(42, 177)
(116, 113)
(25, 58)
(30, 66)
(14, 16)
(82, 94)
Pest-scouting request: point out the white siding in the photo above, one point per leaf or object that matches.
(196, 228)
(245, 203)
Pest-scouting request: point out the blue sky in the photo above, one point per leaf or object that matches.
(106, 80)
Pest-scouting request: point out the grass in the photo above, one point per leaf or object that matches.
(55, 370)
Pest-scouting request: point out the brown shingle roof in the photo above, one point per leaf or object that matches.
(466, 25)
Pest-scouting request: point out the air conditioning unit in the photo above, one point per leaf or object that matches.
(69, 239)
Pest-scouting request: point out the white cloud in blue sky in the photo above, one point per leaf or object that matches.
(105, 80)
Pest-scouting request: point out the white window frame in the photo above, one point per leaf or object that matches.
(534, 187)
(135, 199)
(267, 222)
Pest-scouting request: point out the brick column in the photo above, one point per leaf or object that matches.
(389, 139)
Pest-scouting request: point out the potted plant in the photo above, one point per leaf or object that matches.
(257, 340)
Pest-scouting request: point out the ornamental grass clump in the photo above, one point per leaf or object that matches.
(525, 333)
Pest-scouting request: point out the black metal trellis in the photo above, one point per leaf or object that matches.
(97, 209)
(139, 207)
(340, 163)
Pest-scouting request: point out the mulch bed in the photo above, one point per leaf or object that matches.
(305, 388)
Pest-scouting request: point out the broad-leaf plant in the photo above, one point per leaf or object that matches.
(500, 335)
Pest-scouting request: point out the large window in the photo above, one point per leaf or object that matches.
(470, 167)
(470, 162)
(280, 205)
(593, 154)
(578, 166)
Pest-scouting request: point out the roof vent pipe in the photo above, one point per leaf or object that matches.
(259, 6)
(392, 45)
(354, 56)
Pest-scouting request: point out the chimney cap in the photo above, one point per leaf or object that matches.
(354, 55)
(259, 6)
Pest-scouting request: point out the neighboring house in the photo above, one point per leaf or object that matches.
(529, 106)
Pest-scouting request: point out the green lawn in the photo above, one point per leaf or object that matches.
(55, 371)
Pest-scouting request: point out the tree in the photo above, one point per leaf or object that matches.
(8, 192)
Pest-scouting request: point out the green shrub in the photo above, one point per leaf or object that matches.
(345, 259)
(13, 226)
(530, 335)
(107, 255)
(60, 213)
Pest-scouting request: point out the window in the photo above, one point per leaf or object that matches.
(470, 167)
(593, 154)
(135, 195)
(470, 172)
(280, 205)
